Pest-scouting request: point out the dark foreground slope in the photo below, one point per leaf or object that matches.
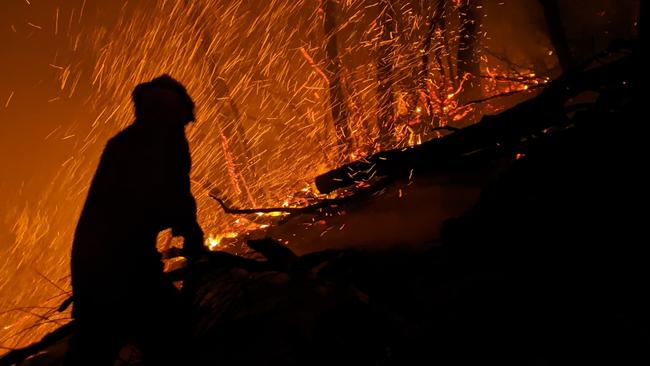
(548, 266)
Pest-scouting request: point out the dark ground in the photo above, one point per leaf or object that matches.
(548, 266)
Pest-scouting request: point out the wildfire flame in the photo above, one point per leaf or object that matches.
(258, 71)
(213, 242)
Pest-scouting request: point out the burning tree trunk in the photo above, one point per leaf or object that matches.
(235, 146)
(468, 61)
(333, 67)
(232, 137)
(385, 64)
(436, 24)
(557, 33)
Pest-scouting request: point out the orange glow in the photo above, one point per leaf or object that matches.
(257, 71)
(213, 242)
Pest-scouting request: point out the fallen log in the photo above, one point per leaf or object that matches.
(320, 205)
(503, 132)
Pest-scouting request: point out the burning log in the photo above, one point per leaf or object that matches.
(499, 133)
(279, 258)
(321, 205)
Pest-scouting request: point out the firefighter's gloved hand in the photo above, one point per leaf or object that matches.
(195, 256)
(193, 241)
(194, 248)
(172, 252)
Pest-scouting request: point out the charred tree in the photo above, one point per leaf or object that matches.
(233, 139)
(338, 105)
(235, 145)
(492, 136)
(468, 62)
(385, 64)
(557, 32)
(435, 24)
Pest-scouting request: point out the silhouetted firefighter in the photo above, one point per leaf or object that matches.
(141, 187)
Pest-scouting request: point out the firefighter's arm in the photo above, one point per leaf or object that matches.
(192, 234)
(184, 221)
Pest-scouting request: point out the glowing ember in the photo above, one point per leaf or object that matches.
(213, 242)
